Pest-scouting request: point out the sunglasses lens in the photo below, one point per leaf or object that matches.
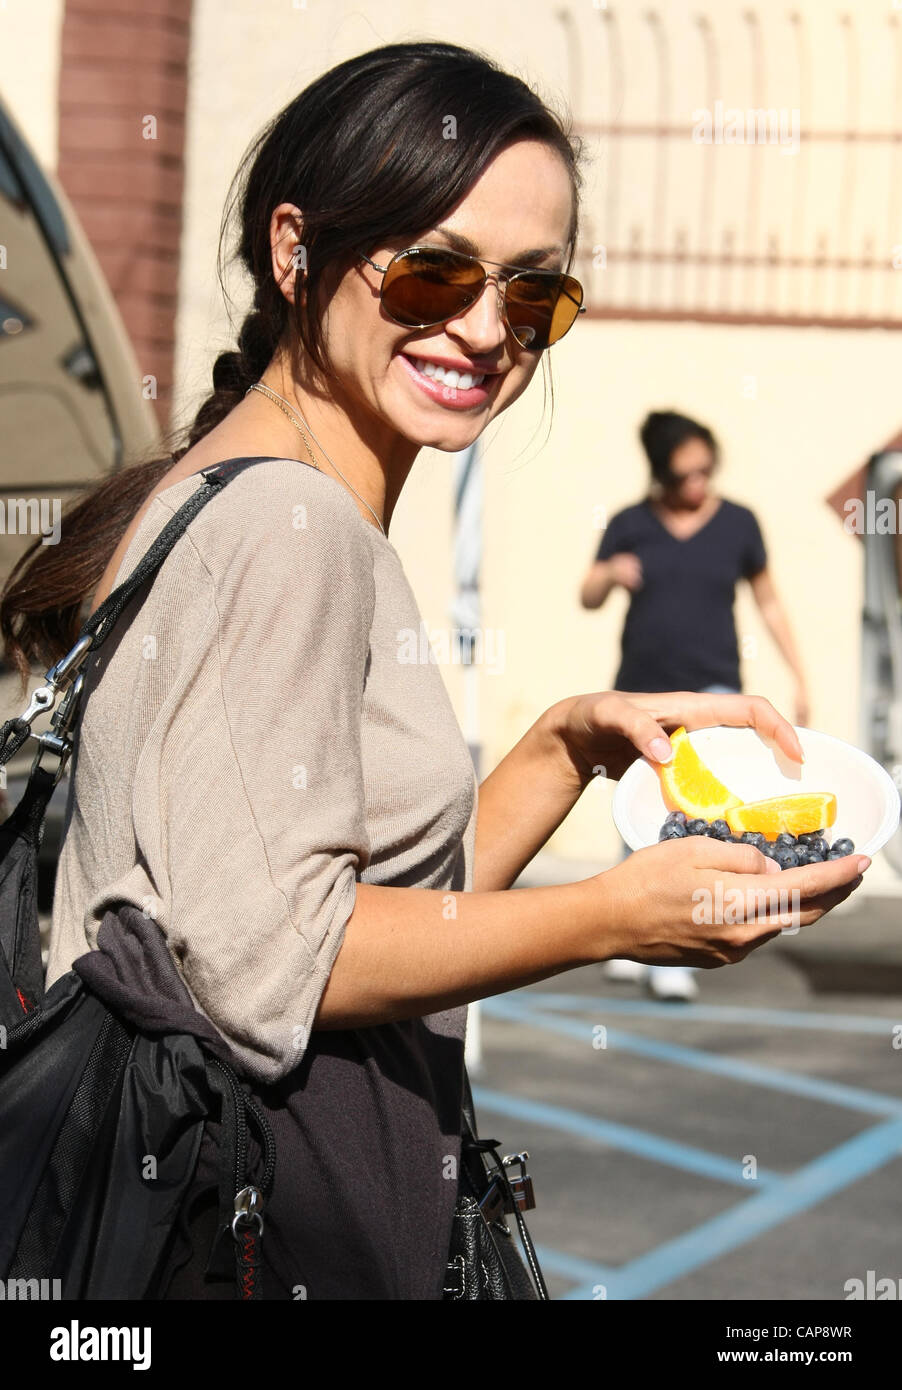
(423, 287)
(540, 308)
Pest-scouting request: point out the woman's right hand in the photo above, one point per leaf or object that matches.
(703, 902)
(626, 569)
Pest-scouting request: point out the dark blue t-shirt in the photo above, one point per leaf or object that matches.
(679, 632)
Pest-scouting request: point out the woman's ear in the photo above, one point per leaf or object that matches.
(289, 254)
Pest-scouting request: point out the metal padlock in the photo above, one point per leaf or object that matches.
(521, 1185)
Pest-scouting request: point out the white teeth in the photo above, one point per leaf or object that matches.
(449, 375)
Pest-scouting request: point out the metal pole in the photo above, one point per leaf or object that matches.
(466, 612)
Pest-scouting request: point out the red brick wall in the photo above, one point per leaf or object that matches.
(122, 61)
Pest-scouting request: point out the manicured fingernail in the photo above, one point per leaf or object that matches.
(661, 749)
(771, 866)
(863, 863)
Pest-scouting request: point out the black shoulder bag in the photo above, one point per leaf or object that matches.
(88, 1080)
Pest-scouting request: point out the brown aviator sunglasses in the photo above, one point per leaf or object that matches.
(424, 286)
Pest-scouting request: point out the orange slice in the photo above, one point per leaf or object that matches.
(688, 785)
(798, 814)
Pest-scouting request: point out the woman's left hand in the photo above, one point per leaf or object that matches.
(602, 734)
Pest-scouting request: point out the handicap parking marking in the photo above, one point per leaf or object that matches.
(635, 1141)
(585, 1274)
(751, 1073)
(776, 1197)
(761, 1212)
(709, 1013)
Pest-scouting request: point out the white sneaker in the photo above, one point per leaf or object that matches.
(672, 982)
(624, 972)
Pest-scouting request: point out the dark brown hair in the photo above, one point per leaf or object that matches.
(364, 153)
(662, 432)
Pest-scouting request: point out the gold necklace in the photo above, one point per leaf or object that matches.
(259, 386)
(286, 409)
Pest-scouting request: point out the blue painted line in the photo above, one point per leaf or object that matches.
(636, 1141)
(709, 1013)
(584, 1272)
(807, 1187)
(750, 1073)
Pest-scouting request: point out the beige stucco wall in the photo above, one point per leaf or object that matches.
(30, 33)
(824, 399)
(821, 399)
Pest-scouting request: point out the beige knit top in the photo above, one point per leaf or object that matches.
(260, 741)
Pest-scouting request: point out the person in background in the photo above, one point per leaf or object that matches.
(679, 554)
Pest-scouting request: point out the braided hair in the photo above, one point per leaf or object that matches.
(363, 154)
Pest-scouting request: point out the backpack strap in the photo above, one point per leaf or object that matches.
(62, 676)
(101, 622)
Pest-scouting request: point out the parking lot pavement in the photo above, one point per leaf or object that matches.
(746, 1146)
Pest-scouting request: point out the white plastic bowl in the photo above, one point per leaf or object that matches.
(867, 800)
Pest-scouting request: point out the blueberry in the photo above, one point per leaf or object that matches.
(807, 838)
(803, 854)
(720, 830)
(673, 831)
(841, 847)
(676, 818)
(785, 839)
(735, 840)
(754, 837)
(697, 827)
(815, 856)
(786, 857)
(769, 852)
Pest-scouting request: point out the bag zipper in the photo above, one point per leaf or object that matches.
(249, 1198)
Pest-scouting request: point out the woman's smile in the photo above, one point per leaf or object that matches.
(448, 387)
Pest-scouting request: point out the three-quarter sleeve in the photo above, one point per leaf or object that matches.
(256, 833)
(754, 558)
(612, 538)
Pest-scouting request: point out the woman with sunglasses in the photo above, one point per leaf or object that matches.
(292, 805)
(679, 555)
